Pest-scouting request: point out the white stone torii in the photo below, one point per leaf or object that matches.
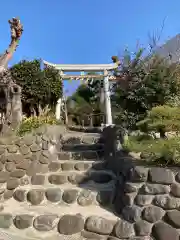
(104, 69)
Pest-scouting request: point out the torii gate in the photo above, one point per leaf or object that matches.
(105, 75)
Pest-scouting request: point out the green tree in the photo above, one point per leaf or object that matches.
(143, 84)
(39, 86)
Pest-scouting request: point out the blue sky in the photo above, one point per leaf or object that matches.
(85, 31)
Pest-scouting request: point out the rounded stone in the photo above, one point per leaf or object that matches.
(58, 179)
(12, 149)
(45, 222)
(175, 189)
(10, 166)
(153, 214)
(132, 213)
(44, 160)
(24, 149)
(174, 218)
(124, 229)
(12, 183)
(163, 231)
(35, 197)
(143, 200)
(70, 196)
(161, 175)
(2, 150)
(104, 197)
(1, 166)
(8, 194)
(19, 173)
(20, 195)
(100, 177)
(70, 224)
(99, 225)
(54, 166)
(143, 228)
(92, 236)
(138, 174)
(35, 148)
(131, 187)
(82, 166)
(6, 220)
(23, 221)
(167, 202)
(67, 166)
(85, 198)
(46, 153)
(24, 181)
(24, 165)
(28, 140)
(53, 194)
(78, 178)
(38, 179)
(4, 177)
(154, 189)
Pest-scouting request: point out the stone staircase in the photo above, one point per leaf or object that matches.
(67, 196)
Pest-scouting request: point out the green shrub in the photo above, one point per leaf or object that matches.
(31, 123)
(160, 151)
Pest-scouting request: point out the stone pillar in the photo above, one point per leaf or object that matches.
(58, 109)
(16, 107)
(107, 99)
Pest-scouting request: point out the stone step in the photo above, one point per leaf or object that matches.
(63, 165)
(82, 147)
(85, 129)
(78, 138)
(64, 197)
(53, 224)
(83, 155)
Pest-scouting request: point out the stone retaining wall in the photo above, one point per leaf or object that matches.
(149, 200)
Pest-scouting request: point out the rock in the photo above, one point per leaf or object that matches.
(12, 183)
(143, 200)
(153, 214)
(45, 222)
(85, 198)
(131, 187)
(70, 196)
(98, 165)
(124, 229)
(161, 175)
(167, 202)
(128, 199)
(54, 166)
(28, 140)
(19, 173)
(99, 225)
(4, 177)
(1, 166)
(104, 197)
(5, 220)
(35, 148)
(143, 228)
(20, 195)
(154, 189)
(175, 190)
(45, 145)
(132, 214)
(78, 178)
(163, 231)
(12, 149)
(53, 194)
(58, 179)
(138, 174)
(23, 221)
(64, 156)
(10, 166)
(38, 179)
(91, 235)
(24, 149)
(67, 166)
(24, 181)
(178, 177)
(46, 154)
(100, 177)
(35, 197)
(24, 165)
(8, 194)
(34, 168)
(16, 158)
(2, 150)
(70, 224)
(174, 218)
(44, 160)
(82, 166)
